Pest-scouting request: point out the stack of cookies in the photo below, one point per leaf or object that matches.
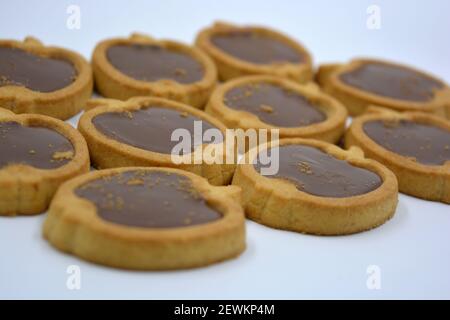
(155, 176)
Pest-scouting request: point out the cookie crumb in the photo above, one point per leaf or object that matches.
(180, 72)
(135, 182)
(304, 167)
(266, 108)
(248, 93)
(62, 155)
(129, 114)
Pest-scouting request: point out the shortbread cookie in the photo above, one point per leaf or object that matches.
(45, 80)
(146, 218)
(37, 154)
(138, 132)
(266, 102)
(142, 66)
(415, 146)
(364, 82)
(318, 188)
(252, 50)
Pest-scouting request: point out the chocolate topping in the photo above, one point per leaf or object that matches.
(318, 173)
(21, 68)
(392, 81)
(256, 48)
(153, 63)
(274, 105)
(38, 147)
(149, 129)
(424, 143)
(148, 199)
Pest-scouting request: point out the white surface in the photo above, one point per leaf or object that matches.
(412, 249)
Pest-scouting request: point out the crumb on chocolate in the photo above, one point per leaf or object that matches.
(129, 114)
(135, 182)
(248, 93)
(304, 167)
(266, 108)
(62, 155)
(180, 72)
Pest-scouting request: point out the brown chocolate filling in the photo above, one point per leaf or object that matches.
(426, 144)
(256, 48)
(153, 63)
(148, 199)
(392, 81)
(149, 129)
(274, 105)
(38, 147)
(318, 173)
(21, 68)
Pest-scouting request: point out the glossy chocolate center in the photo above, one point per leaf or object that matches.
(392, 82)
(148, 199)
(318, 173)
(21, 68)
(256, 48)
(424, 143)
(150, 128)
(38, 147)
(153, 63)
(274, 105)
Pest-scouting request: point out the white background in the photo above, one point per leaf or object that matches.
(412, 250)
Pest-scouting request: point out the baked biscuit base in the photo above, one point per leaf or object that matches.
(357, 101)
(277, 203)
(61, 104)
(109, 153)
(112, 83)
(230, 67)
(415, 179)
(330, 130)
(26, 190)
(73, 226)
